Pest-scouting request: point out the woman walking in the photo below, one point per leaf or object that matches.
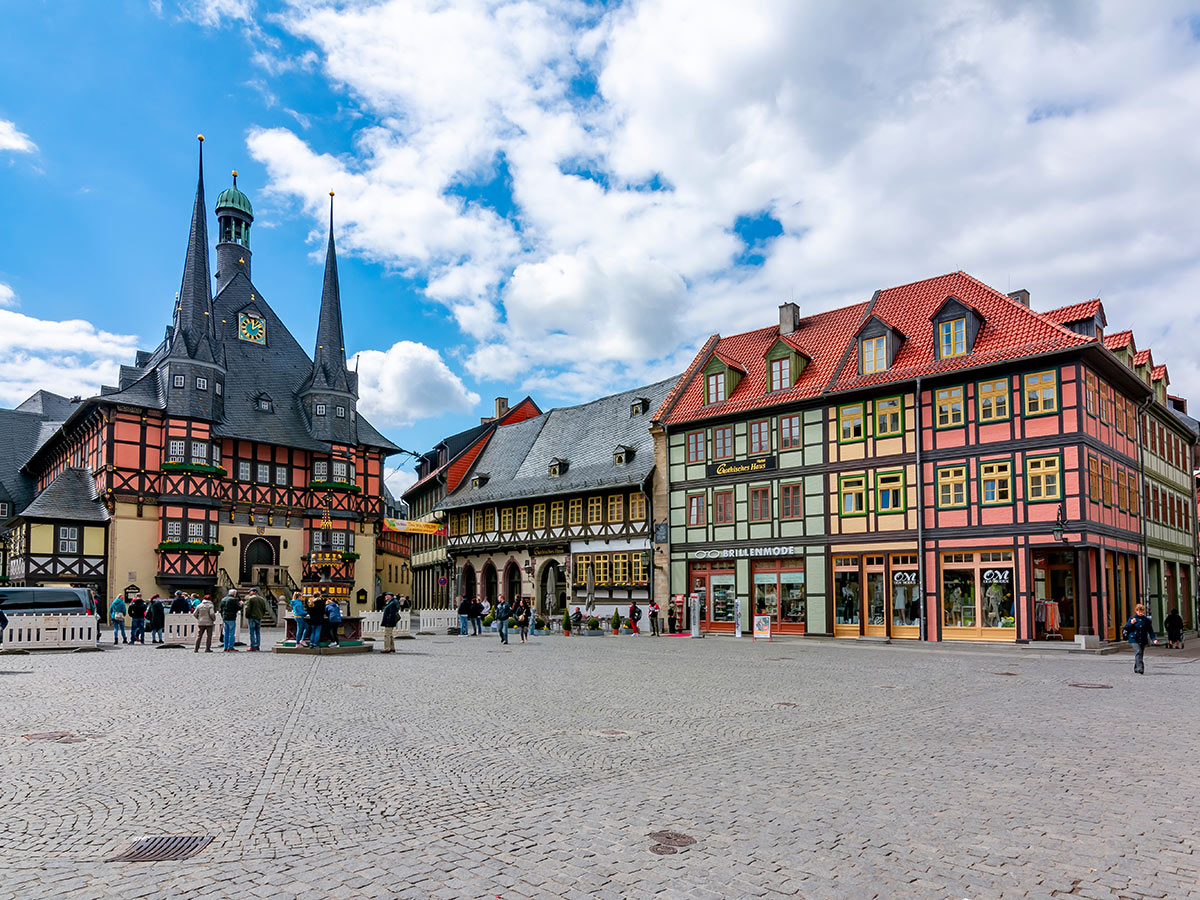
(116, 615)
(523, 620)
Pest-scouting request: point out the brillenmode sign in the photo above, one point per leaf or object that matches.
(742, 466)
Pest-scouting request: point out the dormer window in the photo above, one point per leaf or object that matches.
(952, 338)
(874, 354)
(716, 387)
(558, 467)
(263, 403)
(622, 455)
(639, 406)
(781, 374)
(480, 480)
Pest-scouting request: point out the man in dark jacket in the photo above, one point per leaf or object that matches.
(503, 611)
(180, 603)
(156, 620)
(137, 620)
(230, 607)
(256, 610)
(464, 613)
(476, 618)
(391, 617)
(316, 620)
(1139, 631)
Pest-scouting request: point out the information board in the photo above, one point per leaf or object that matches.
(762, 628)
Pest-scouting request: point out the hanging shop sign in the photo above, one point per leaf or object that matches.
(742, 466)
(744, 552)
(550, 550)
(411, 527)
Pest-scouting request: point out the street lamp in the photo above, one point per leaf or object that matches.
(1060, 524)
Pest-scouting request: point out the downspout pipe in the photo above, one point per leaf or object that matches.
(1144, 582)
(919, 432)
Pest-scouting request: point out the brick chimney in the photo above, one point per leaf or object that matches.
(789, 317)
(1021, 296)
(501, 406)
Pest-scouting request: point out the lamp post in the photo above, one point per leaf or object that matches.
(1060, 524)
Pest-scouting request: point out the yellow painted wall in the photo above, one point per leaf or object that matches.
(131, 556)
(41, 539)
(93, 541)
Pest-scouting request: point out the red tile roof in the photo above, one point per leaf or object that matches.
(1077, 312)
(1010, 331)
(1159, 373)
(1142, 357)
(1118, 340)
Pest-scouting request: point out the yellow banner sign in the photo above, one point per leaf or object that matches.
(412, 527)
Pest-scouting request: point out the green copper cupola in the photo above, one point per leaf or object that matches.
(234, 217)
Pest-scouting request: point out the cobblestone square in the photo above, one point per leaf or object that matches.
(460, 768)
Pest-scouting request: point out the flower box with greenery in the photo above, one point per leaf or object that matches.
(334, 486)
(190, 546)
(193, 468)
(488, 620)
(540, 625)
(593, 627)
(349, 556)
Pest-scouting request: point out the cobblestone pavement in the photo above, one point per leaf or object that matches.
(458, 768)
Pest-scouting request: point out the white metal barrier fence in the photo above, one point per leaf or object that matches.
(438, 620)
(38, 632)
(372, 624)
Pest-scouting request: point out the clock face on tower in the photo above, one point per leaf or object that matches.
(252, 328)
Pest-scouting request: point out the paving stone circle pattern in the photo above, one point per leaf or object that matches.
(623, 768)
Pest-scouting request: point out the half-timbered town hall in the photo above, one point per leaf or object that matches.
(224, 456)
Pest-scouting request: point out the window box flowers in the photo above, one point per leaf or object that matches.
(349, 556)
(193, 468)
(190, 546)
(334, 486)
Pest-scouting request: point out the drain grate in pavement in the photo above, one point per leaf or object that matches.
(662, 849)
(1092, 687)
(672, 838)
(159, 849)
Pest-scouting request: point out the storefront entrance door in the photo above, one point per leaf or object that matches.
(875, 605)
(1054, 583)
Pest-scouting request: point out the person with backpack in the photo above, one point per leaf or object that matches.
(1173, 624)
(1139, 631)
(503, 611)
(635, 616)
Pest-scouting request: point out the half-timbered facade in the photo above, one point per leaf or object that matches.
(225, 456)
(940, 462)
(559, 505)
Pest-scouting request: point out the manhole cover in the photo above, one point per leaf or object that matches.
(155, 849)
(662, 849)
(672, 838)
(1006, 673)
(1092, 687)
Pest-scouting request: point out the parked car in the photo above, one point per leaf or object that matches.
(32, 601)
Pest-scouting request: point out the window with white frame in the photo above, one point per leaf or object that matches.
(339, 540)
(320, 470)
(281, 473)
(195, 531)
(3, 511)
(217, 387)
(174, 531)
(243, 470)
(175, 451)
(201, 384)
(177, 380)
(212, 533)
(320, 409)
(216, 454)
(264, 473)
(341, 412)
(339, 471)
(68, 539)
(199, 453)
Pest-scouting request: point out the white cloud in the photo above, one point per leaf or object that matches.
(12, 138)
(212, 13)
(409, 381)
(400, 480)
(68, 357)
(1041, 146)
(8, 297)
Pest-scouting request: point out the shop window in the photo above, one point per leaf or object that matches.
(993, 400)
(850, 423)
(789, 432)
(847, 590)
(595, 510)
(952, 338)
(952, 487)
(874, 354)
(695, 447)
(791, 501)
(889, 490)
(1091, 402)
(760, 504)
(906, 603)
(723, 595)
(948, 407)
(723, 508)
(889, 417)
(1043, 480)
(852, 492)
(781, 374)
(723, 442)
(716, 387)
(1093, 479)
(556, 514)
(616, 508)
(506, 519)
(574, 511)
(995, 483)
(637, 507)
(760, 437)
(696, 510)
(1041, 393)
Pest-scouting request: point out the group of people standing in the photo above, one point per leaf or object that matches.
(317, 620)
(472, 610)
(255, 608)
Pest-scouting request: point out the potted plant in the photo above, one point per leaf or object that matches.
(616, 622)
(540, 625)
(593, 627)
(566, 624)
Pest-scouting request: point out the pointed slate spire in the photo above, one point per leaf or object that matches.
(329, 358)
(194, 332)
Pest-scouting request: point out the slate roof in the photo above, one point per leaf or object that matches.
(1010, 331)
(71, 495)
(1078, 312)
(517, 458)
(52, 406)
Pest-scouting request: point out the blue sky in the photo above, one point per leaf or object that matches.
(564, 199)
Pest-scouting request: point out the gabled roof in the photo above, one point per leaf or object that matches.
(1078, 312)
(45, 403)
(71, 495)
(1143, 357)
(1010, 331)
(517, 458)
(729, 361)
(1118, 340)
(1158, 373)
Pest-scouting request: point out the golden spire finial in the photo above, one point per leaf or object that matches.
(331, 193)
(200, 138)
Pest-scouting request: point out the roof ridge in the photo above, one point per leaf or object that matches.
(664, 408)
